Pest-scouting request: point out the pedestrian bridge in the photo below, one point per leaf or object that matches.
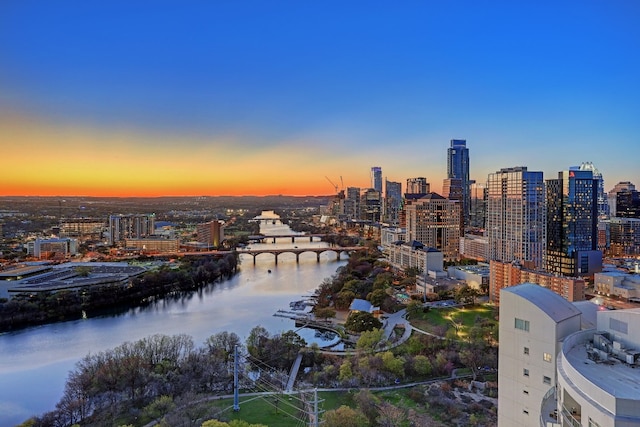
(338, 250)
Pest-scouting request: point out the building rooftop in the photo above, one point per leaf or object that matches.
(613, 376)
(556, 307)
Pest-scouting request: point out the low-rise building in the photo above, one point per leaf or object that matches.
(475, 276)
(505, 274)
(619, 284)
(153, 245)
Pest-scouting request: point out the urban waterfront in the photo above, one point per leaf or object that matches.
(34, 363)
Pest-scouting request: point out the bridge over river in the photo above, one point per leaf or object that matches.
(338, 250)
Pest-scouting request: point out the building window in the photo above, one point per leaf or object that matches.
(526, 350)
(525, 372)
(525, 391)
(522, 324)
(547, 357)
(524, 411)
(546, 380)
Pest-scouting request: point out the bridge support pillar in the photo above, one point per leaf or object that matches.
(297, 258)
(318, 256)
(276, 258)
(293, 239)
(338, 253)
(311, 238)
(274, 240)
(254, 259)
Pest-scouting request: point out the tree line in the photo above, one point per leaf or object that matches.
(45, 307)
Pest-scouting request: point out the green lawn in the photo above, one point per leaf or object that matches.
(262, 410)
(465, 317)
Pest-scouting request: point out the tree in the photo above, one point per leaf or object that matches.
(377, 297)
(344, 416)
(367, 403)
(346, 372)
(369, 340)
(160, 407)
(256, 341)
(222, 345)
(325, 313)
(361, 321)
(393, 364)
(390, 415)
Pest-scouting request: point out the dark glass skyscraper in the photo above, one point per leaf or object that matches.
(392, 201)
(458, 167)
(572, 224)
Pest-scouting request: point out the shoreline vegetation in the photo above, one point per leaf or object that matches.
(169, 381)
(25, 310)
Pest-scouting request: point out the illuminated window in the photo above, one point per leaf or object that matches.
(546, 357)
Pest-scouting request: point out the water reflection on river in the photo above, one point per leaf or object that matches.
(34, 363)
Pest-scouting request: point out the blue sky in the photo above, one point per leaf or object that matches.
(291, 91)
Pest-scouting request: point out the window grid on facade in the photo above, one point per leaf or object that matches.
(547, 357)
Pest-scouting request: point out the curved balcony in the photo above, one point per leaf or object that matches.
(548, 409)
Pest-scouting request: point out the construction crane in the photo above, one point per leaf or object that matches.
(335, 187)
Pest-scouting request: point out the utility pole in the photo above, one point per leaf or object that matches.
(236, 403)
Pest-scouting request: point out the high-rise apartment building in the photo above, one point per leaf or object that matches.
(458, 167)
(418, 186)
(434, 221)
(376, 178)
(624, 236)
(572, 224)
(452, 190)
(392, 202)
(211, 233)
(371, 205)
(621, 187)
(351, 204)
(601, 196)
(123, 227)
(516, 216)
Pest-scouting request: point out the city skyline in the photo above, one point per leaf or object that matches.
(230, 99)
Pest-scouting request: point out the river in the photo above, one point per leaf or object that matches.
(34, 363)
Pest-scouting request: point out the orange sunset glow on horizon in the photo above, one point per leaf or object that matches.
(41, 159)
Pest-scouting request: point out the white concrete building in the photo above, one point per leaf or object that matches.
(533, 322)
(560, 367)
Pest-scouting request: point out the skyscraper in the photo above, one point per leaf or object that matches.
(434, 221)
(458, 167)
(572, 224)
(376, 178)
(392, 201)
(123, 227)
(516, 216)
(417, 186)
(603, 206)
(352, 203)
